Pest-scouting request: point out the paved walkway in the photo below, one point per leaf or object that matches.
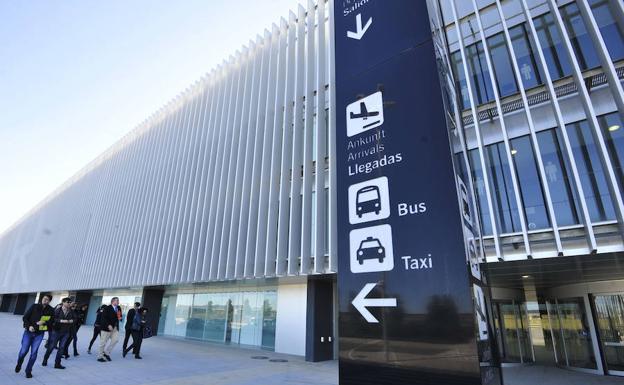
(166, 361)
(550, 375)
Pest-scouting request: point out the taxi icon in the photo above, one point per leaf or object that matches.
(371, 248)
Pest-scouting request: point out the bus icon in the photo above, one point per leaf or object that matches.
(367, 200)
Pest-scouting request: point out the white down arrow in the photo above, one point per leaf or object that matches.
(361, 302)
(359, 31)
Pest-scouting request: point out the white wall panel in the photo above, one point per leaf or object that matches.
(219, 184)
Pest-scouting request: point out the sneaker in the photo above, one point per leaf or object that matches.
(28, 375)
(44, 363)
(107, 357)
(138, 357)
(125, 353)
(59, 366)
(18, 367)
(76, 354)
(101, 360)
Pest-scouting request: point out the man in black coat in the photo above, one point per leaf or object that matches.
(64, 319)
(128, 327)
(36, 321)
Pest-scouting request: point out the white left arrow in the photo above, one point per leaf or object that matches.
(361, 302)
(359, 31)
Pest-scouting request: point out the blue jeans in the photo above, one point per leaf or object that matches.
(30, 341)
(60, 338)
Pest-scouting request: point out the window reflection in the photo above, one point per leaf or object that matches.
(479, 186)
(612, 32)
(613, 130)
(502, 189)
(530, 185)
(580, 39)
(524, 48)
(501, 62)
(552, 47)
(246, 318)
(591, 172)
(479, 73)
(558, 179)
(460, 80)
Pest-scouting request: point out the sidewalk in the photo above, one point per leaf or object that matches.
(166, 361)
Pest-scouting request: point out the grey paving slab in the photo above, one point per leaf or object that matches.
(550, 375)
(167, 361)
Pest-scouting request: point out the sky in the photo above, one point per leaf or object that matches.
(77, 75)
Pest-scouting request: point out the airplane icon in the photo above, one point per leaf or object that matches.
(364, 114)
(359, 112)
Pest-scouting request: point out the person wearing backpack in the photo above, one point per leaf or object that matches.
(138, 326)
(36, 321)
(96, 326)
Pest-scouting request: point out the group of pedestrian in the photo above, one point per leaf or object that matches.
(63, 322)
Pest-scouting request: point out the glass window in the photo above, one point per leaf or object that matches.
(524, 48)
(613, 130)
(197, 319)
(501, 62)
(591, 172)
(581, 42)
(552, 47)
(217, 311)
(479, 185)
(182, 314)
(479, 73)
(460, 80)
(612, 32)
(559, 183)
(530, 183)
(502, 189)
(269, 317)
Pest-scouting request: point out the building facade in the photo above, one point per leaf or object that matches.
(220, 208)
(535, 111)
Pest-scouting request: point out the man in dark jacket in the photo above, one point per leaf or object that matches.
(64, 319)
(80, 314)
(96, 326)
(129, 319)
(109, 329)
(36, 321)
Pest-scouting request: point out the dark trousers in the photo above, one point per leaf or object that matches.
(73, 338)
(96, 333)
(59, 337)
(137, 340)
(127, 338)
(30, 341)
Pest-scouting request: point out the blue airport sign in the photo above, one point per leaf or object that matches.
(404, 286)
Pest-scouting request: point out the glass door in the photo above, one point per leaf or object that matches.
(512, 331)
(610, 324)
(573, 335)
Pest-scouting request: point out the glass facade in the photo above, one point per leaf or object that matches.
(246, 317)
(556, 285)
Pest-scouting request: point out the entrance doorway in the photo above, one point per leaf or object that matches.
(610, 324)
(512, 331)
(572, 335)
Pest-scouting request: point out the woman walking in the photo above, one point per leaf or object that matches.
(96, 327)
(138, 326)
